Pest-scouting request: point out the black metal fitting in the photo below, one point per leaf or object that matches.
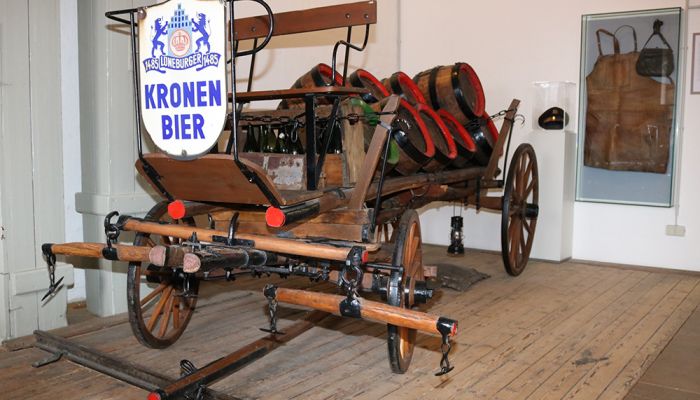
(270, 291)
(422, 293)
(110, 253)
(531, 211)
(350, 307)
(112, 231)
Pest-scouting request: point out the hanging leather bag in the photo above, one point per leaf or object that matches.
(656, 62)
(628, 116)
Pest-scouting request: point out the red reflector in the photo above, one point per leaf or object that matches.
(365, 257)
(176, 209)
(275, 217)
(453, 331)
(153, 396)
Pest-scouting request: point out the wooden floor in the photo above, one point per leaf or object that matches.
(559, 331)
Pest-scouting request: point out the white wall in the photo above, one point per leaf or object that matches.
(512, 44)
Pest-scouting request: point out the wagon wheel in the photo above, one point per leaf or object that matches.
(520, 209)
(407, 253)
(159, 315)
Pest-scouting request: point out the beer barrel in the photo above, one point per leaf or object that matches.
(456, 88)
(318, 76)
(466, 149)
(363, 79)
(484, 133)
(445, 148)
(416, 147)
(401, 84)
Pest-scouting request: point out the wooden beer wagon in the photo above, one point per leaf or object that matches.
(341, 218)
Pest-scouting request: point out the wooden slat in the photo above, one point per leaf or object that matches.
(374, 153)
(314, 19)
(502, 138)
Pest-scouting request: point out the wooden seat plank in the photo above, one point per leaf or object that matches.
(216, 178)
(314, 19)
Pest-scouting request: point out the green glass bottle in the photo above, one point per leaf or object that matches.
(269, 140)
(251, 142)
(283, 145)
(336, 144)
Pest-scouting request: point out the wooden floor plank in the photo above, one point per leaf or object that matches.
(571, 371)
(574, 344)
(642, 359)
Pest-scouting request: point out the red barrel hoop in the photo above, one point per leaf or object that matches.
(466, 149)
(364, 79)
(401, 84)
(416, 147)
(445, 148)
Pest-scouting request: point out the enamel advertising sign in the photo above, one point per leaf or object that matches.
(182, 48)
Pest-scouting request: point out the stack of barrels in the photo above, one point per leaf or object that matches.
(442, 122)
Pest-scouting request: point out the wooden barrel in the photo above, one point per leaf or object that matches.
(401, 84)
(318, 76)
(484, 133)
(455, 88)
(363, 79)
(466, 149)
(445, 148)
(415, 146)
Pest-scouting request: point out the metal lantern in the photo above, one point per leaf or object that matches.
(456, 236)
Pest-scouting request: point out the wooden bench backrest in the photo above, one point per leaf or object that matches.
(313, 19)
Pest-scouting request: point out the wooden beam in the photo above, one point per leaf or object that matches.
(313, 19)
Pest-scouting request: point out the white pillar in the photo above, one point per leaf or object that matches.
(108, 145)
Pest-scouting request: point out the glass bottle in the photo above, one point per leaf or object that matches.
(283, 143)
(336, 144)
(268, 141)
(251, 143)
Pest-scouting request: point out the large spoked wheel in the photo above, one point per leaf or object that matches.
(158, 314)
(407, 253)
(520, 209)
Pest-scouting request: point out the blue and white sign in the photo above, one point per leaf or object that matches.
(182, 48)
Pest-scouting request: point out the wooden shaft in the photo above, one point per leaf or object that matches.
(370, 310)
(94, 250)
(266, 243)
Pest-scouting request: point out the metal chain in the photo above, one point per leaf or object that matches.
(272, 310)
(299, 120)
(445, 366)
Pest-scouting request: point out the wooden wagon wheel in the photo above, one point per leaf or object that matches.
(159, 315)
(520, 209)
(407, 253)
